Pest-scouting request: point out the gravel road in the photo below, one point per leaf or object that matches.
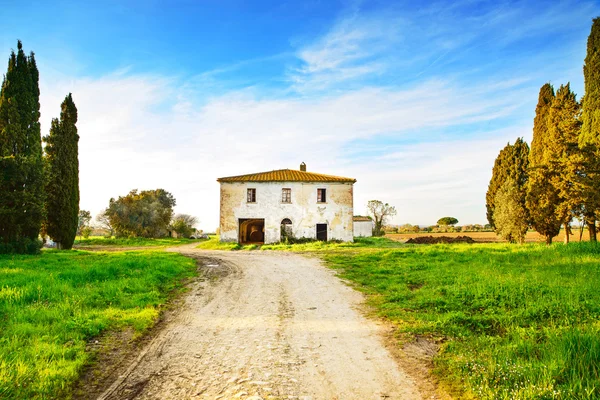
(265, 325)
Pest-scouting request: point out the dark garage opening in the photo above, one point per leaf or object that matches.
(252, 231)
(322, 232)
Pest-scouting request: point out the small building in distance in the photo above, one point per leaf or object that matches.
(363, 226)
(267, 207)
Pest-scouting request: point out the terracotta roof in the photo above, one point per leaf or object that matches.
(286, 175)
(358, 218)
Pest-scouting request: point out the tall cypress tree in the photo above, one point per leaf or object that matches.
(589, 140)
(542, 196)
(540, 125)
(62, 205)
(564, 157)
(21, 164)
(512, 162)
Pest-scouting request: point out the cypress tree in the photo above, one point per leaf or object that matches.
(590, 116)
(589, 140)
(21, 164)
(542, 196)
(564, 157)
(62, 188)
(540, 125)
(510, 214)
(542, 200)
(512, 162)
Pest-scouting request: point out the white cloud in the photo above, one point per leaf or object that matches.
(129, 140)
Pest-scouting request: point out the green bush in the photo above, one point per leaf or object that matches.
(22, 246)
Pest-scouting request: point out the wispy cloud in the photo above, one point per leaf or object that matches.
(415, 105)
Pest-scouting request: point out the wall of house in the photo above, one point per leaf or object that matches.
(363, 228)
(304, 211)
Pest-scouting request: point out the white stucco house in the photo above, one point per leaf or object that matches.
(259, 208)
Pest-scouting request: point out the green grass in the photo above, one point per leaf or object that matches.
(516, 322)
(214, 244)
(132, 242)
(53, 303)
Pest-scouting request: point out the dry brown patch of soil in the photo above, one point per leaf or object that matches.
(440, 239)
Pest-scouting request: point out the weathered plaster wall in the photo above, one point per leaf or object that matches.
(304, 211)
(363, 228)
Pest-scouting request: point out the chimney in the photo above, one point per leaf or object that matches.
(303, 167)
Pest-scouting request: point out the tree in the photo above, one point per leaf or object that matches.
(83, 221)
(21, 164)
(543, 196)
(540, 125)
(103, 221)
(380, 213)
(513, 162)
(589, 139)
(564, 158)
(183, 224)
(447, 221)
(142, 214)
(62, 187)
(510, 214)
(542, 199)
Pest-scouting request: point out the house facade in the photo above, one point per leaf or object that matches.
(268, 206)
(363, 226)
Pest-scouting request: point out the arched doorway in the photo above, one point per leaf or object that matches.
(286, 229)
(252, 231)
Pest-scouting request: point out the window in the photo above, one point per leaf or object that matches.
(286, 195)
(321, 196)
(251, 196)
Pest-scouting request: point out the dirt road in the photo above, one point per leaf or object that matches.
(270, 326)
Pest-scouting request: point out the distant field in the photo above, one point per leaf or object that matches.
(487, 237)
(52, 304)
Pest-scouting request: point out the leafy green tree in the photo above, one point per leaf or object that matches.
(447, 221)
(380, 212)
(103, 222)
(510, 214)
(21, 164)
(183, 224)
(83, 221)
(62, 187)
(512, 162)
(589, 140)
(142, 214)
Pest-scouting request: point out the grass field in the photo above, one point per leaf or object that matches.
(490, 237)
(515, 322)
(53, 303)
(97, 241)
(373, 242)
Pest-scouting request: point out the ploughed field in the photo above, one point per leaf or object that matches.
(487, 237)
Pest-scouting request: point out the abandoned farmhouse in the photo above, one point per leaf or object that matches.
(266, 207)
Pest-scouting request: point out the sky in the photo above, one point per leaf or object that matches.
(413, 100)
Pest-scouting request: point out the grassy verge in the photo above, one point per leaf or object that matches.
(132, 242)
(372, 242)
(213, 243)
(51, 304)
(516, 322)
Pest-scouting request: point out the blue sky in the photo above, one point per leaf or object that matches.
(413, 100)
